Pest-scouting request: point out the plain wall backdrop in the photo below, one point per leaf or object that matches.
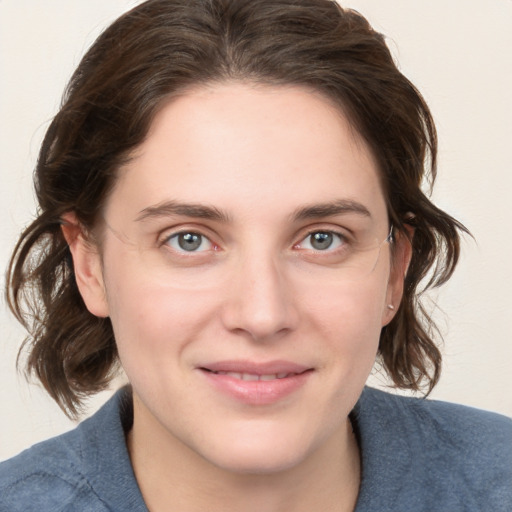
(457, 53)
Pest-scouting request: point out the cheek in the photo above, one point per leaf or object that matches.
(353, 310)
(348, 321)
(153, 321)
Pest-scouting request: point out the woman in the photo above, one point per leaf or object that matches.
(230, 208)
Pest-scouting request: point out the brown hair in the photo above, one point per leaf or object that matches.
(158, 49)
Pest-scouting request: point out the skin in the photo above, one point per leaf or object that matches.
(255, 290)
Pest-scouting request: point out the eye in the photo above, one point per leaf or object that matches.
(189, 241)
(321, 241)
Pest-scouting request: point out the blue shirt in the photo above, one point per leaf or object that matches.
(417, 455)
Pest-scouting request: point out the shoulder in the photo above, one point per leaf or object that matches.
(476, 426)
(85, 469)
(473, 432)
(462, 455)
(48, 476)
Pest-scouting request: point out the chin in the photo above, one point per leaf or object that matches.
(260, 451)
(258, 462)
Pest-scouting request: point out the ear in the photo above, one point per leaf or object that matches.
(401, 258)
(87, 266)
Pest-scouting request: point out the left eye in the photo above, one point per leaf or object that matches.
(321, 241)
(189, 242)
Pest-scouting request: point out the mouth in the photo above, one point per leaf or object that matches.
(256, 384)
(253, 376)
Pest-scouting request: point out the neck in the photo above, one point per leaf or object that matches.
(170, 473)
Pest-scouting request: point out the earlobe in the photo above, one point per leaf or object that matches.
(402, 254)
(87, 266)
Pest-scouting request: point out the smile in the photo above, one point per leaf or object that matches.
(256, 384)
(254, 377)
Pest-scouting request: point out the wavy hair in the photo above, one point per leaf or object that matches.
(162, 47)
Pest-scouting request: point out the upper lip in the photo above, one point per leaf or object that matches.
(255, 368)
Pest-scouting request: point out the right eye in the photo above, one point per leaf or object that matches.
(188, 241)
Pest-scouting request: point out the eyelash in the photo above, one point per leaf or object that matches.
(342, 240)
(166, 241)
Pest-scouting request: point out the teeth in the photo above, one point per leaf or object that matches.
(254, 377)
(248, 376)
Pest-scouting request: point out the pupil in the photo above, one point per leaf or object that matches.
(189, 241)
(321, 241)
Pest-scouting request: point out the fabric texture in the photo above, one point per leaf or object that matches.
(417, 455)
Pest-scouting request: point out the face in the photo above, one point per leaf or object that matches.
(244, 268)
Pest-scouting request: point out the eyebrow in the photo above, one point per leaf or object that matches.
(337, 207)
(201, 211)
(170, 208)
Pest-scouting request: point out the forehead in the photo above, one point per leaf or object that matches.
(242, 147)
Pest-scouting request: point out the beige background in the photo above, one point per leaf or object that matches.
(457, 52)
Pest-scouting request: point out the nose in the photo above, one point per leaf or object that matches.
(260, 301)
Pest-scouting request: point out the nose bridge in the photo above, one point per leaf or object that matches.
(260, 300)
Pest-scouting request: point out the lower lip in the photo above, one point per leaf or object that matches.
(257, 392)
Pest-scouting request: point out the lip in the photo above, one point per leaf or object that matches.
(290, 377)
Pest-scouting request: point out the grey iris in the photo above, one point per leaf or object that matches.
(321, 240)
(189, 241)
